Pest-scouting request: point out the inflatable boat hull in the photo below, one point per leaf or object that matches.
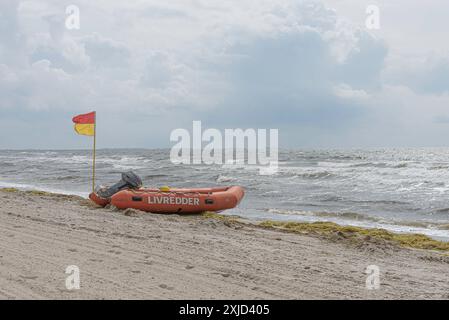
(103, 202)
(175, 200)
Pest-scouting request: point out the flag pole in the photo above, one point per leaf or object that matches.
(93, 160)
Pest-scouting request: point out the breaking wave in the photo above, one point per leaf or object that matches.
(407, 189)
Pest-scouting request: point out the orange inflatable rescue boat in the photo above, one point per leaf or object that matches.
(128, 193)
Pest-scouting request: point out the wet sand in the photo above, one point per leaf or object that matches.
(134, 255)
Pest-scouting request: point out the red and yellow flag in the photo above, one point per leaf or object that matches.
(85, 124)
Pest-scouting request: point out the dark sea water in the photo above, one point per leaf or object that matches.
(405, 190)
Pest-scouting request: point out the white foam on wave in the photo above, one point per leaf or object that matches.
(124, 162)
(222, 178)
(126, 167)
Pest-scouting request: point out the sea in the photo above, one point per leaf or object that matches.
(402, 190)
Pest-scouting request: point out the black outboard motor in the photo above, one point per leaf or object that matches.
(130, 180)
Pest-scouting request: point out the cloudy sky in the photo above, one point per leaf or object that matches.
(312, 69)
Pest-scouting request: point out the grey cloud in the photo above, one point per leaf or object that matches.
(363, 66)
(442, 119)
(290, 77)
(157, 72)
(272, 66)
(106, 52)
(429, 76)
(55, 26)
(12, 42)
(65, 54)
(163, 12)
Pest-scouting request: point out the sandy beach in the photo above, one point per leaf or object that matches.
(133, 255)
